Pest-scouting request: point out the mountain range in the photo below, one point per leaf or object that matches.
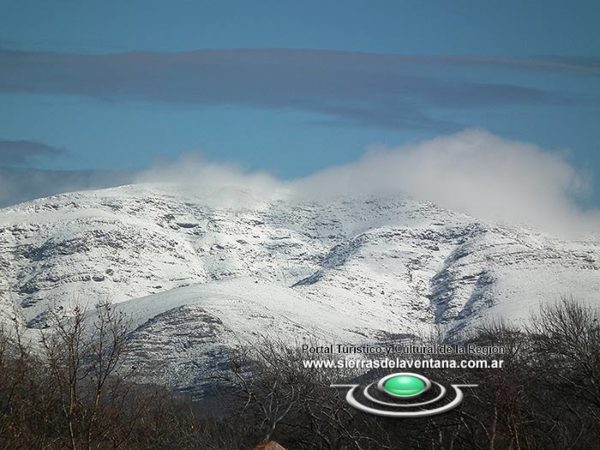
(197, 279)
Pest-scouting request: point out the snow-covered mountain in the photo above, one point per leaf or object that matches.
(198, 279)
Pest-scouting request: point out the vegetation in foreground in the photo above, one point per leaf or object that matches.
(74, 393)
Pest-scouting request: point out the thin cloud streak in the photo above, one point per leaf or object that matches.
(373, 90)
(24, 184)
(24, 153)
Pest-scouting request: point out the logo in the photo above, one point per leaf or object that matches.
(405, 386)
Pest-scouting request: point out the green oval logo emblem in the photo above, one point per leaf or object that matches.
(404, 385)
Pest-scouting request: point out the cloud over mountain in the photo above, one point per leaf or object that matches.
(473, 171)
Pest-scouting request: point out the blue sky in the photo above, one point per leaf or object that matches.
(290, 87)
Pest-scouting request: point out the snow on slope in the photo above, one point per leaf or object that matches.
(198, 278)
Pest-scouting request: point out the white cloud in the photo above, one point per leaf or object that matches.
(224, 185)
(474, 172)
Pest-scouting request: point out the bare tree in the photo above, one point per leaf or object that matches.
(81, 358)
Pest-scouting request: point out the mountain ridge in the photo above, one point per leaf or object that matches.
(198, 279)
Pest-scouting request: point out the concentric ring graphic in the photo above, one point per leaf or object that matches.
(404, 385)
